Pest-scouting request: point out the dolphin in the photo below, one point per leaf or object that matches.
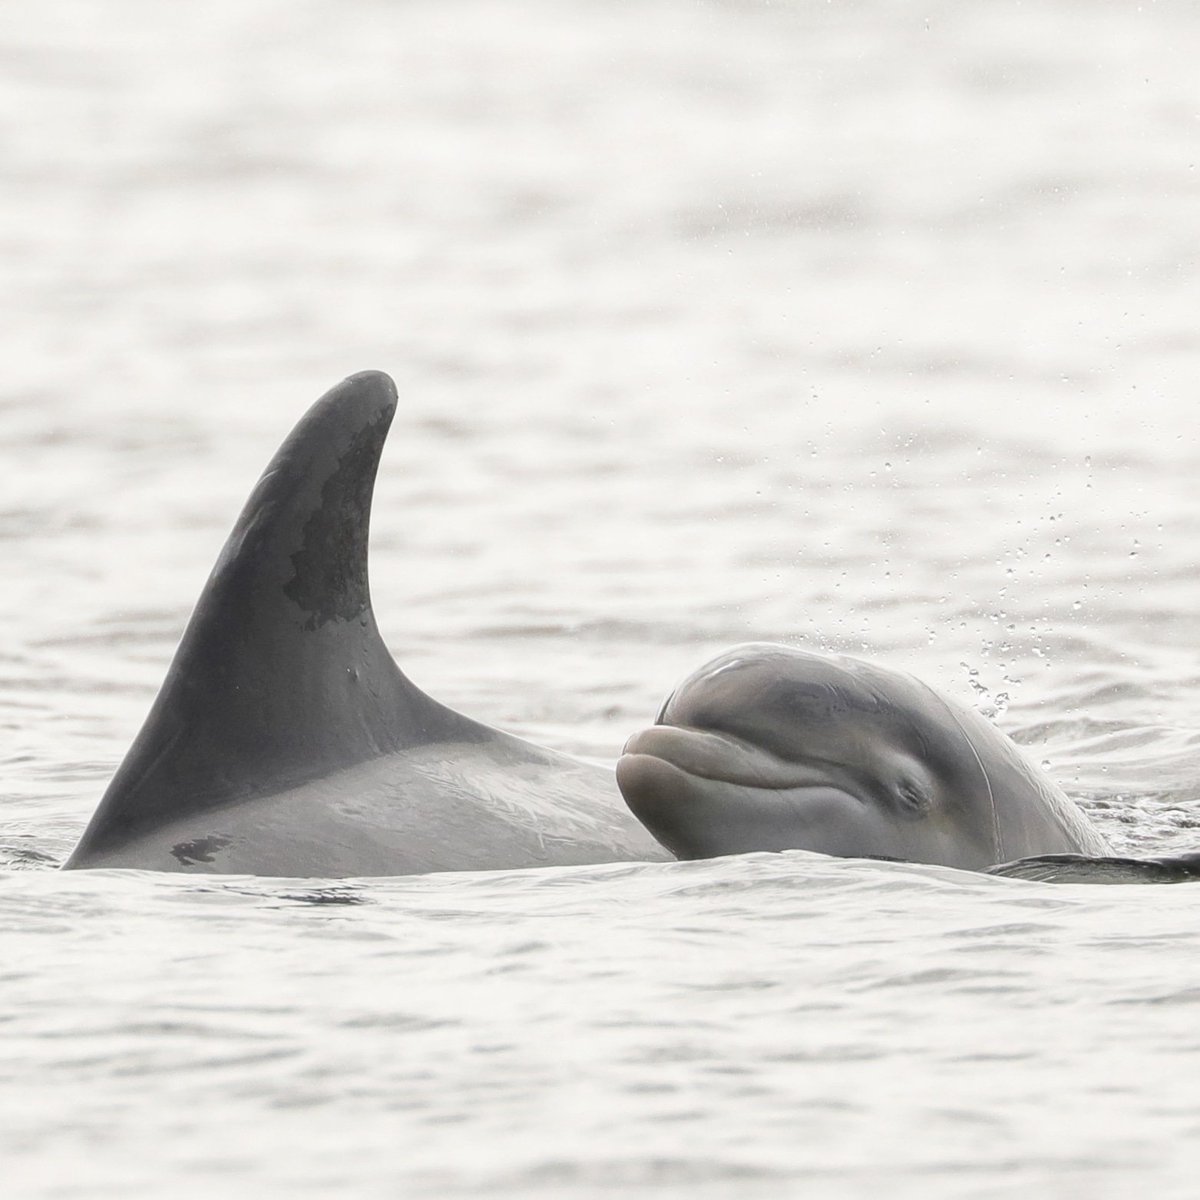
(772, 748)
(285, 739)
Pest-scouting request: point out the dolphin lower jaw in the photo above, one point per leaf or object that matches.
(698, 816)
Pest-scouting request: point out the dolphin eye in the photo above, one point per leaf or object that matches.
(912, 797)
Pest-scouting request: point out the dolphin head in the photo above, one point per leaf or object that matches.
(771, 748)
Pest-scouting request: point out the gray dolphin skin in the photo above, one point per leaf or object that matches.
(771, 748)
(286, 741)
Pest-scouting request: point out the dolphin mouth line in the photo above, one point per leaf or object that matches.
(724, 758)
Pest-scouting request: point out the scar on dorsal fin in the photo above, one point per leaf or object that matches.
(281, 675)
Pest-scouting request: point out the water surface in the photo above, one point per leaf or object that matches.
(859, 327)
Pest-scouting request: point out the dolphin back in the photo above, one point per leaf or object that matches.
(281, 675)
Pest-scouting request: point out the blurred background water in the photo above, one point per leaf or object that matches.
(865, 326)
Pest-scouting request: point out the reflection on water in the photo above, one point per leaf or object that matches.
(855, 327)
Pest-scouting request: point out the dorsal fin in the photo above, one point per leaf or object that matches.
(281, 675)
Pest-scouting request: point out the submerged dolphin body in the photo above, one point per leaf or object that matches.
(771, 748)
(286, 741)
(1080, 868)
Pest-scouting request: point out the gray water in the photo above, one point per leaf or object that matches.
(868, 327)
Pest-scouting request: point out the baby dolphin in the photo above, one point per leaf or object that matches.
(772, 748)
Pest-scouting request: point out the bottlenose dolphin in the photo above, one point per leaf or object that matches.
(286, 740)
(772, 748)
